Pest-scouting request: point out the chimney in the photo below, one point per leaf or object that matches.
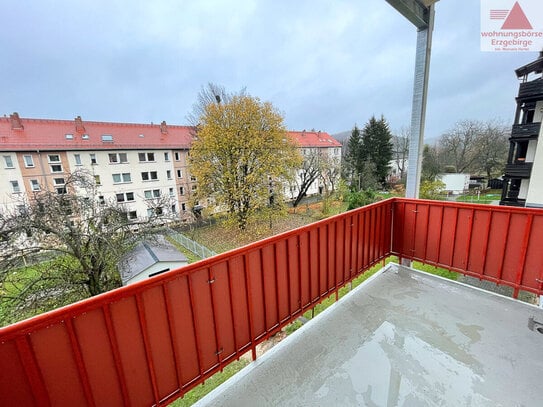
(163, 127)
(16, 123)
(79, 125)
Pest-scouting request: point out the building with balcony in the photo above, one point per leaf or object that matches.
(132, 164)
(401, 338)
(523, 177)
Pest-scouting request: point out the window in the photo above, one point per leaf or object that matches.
(149, 194)
(179, 174)
(34, 185)
(143, 157)
(56, 168)
(69, 136)
(150, 212)
(120, 197)
(77, 158)
(124, 177)
(168, 174)
(171, 192)
(101, 200)
(194, 187)
(177, 156)
(85, 136)
(115, 158)
(97, 180)
(53, 158)
(183, 207)
(166, 156)
(129, 196)
(181, 190)
(149, 176)
(192, 178)
(15, 186)
(59, 181)
(29, 162)
(174, 208)
(93, 159)
(132, 215)
(107, 137)
(8, 161)
(61, 190)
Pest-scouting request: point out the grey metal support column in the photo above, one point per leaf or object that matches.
(418, 114)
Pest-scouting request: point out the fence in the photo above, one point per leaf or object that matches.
(149, 343)
(195, 247)
(494, 243)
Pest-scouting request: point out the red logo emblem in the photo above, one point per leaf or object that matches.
(514, 20)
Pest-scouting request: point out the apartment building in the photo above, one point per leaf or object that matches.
(321, 150)
(132, 164)
(523, 180)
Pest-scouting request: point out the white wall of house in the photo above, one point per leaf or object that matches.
(534, 186)
(11, 181)
(455, 183)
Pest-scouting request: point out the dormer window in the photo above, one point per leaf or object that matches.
(107, 138)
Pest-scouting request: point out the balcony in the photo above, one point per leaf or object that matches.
(526, 131)
(519, 169)
(149, 343)
(531, 90)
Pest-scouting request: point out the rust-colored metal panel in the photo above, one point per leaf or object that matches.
(322, 249)
(514, 247)
(314, 263)
(240, 305)
(331, 254)
(256, 295)
(220, 290)
(347, 268)
(294, 275)
(199, 282)
(184, 335)
(478, 244)
(55, 359)
(497, 243)
(283, 288)
(269, 289)
(533, 269)
(420, 244)
(462, 236)
(160, 344)
(305, 278)
(124, 315)
(340, 251)
(14, 385)
(98, 359)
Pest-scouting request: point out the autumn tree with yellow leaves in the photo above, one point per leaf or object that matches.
(242, 157)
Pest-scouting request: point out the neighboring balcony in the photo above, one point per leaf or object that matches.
(531, 90)
(526, 131)
(519, 169)
(403, 338)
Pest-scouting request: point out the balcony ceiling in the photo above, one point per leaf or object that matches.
(402, 338)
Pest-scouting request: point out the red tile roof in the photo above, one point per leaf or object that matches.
(25, 134)
(52, 135)
(314, 139)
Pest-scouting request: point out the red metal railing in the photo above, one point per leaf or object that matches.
(494, 243)
(149, 343)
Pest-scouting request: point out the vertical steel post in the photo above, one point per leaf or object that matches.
(418, 114)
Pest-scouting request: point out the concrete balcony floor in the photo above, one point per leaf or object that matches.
(403, 338)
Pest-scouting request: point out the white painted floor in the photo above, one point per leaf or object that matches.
(403, 338)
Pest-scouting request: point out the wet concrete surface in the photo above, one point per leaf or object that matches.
(403, 338)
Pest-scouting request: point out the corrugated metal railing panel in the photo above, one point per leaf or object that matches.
(494, 243)
(148, 343)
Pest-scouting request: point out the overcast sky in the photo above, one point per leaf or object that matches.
(324, 64)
